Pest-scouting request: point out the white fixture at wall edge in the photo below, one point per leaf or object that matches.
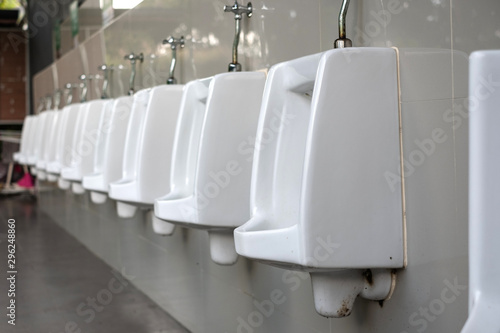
(320, 178)
(109, 151)
(148, 149)
(131, 147)
(84, 144)
(211, 178)
(26, 133)
(38, 139)
(62, 157)
(50, 124)
(484, 193)
(185, 147)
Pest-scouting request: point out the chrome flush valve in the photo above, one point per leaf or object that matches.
(57, 98)
(68, 92)
(343, 41)
(238, 11)
(84, 86)
(133, 59)
(41, 105)
(174, 43)
(48, 102)
(106, 86)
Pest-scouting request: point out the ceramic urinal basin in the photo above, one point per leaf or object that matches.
(62, 156)
(328, 131)
(21, 155)
(38, 140)
(51, 150)
(148, 150)
(108, 157)
(484, 193)
(131, 151)
(185, 148)
(83, 144)
(215, 194)
(31, 143)
(41, 163)
(54, 163)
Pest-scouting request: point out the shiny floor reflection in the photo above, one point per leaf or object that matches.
(62, 287)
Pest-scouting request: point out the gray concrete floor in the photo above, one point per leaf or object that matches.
(62, 287)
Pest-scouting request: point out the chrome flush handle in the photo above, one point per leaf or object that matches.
(238, 11)
(174, 43)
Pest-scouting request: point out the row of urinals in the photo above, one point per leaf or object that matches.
(273, 167)
(244, 156)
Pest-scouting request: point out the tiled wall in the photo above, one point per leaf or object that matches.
(434, 38)
(276, 32)
(279, 30)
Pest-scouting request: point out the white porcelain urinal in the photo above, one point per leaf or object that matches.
(62, 156)
(216, 197)
(108, 158)
(84, 144)
(185, 148)
(329, 129)
(93, 180)
(148, 149)
(30, 143)
(55, 162)
(21, 155)
(131, 147)
(484, 193)
(44, 144)
(40, 128)
(51, 151)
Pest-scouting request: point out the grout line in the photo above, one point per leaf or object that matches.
(453, 108)
(152, 243)
(452, 49)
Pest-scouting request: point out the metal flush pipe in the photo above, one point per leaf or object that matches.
(48, 102)
(343, 41)
(238, 11)
(68, 91)
(106, 84)
(57, 99)
(133, 59)
(174, 42)
(84, 86)
(41, 105)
